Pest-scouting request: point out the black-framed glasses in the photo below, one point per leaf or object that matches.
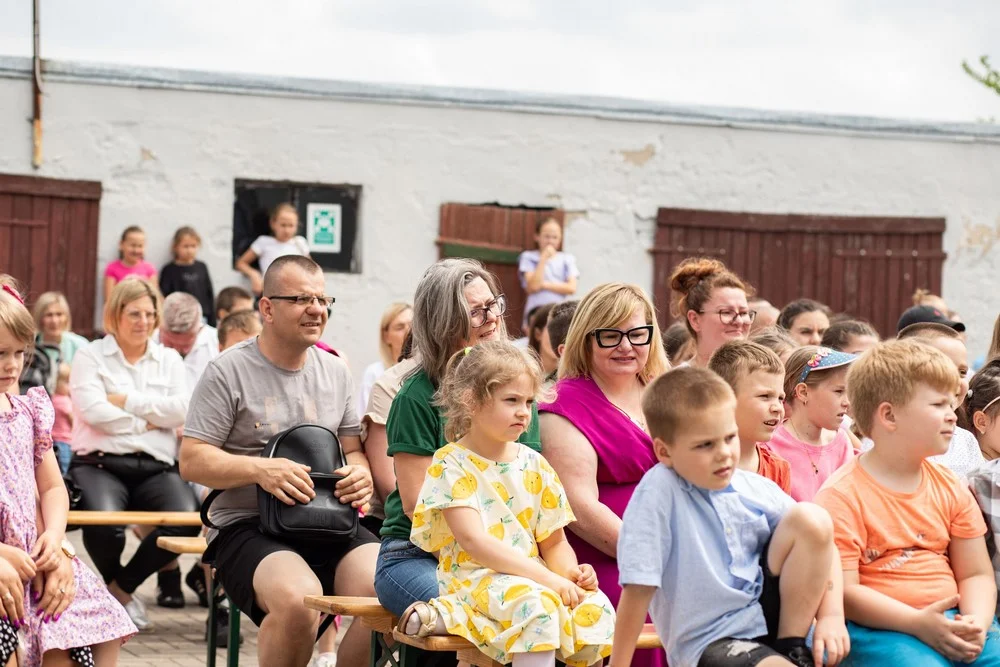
(728, 315)
(613, 337)
(305, 300)
(498, 306)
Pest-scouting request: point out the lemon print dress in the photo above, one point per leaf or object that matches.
(520, 503)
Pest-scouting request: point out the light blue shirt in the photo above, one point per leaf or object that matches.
(701, 550)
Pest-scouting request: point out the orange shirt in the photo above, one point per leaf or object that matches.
(898, 542)
(775, 468)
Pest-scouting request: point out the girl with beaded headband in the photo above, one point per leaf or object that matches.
(812, 439)
(64, 612)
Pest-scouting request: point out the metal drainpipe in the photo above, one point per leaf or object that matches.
(36, 62)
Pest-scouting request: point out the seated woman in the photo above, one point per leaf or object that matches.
(457, 304)
(129, 395)
(593, 433)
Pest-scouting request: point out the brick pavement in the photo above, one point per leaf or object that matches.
(178, 636)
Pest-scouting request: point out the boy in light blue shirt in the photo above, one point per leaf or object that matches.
(733, 571)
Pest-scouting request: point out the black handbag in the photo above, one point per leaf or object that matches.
(324, 518)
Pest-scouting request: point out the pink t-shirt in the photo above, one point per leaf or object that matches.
(62, 429)
(119, 271)
(811, 465)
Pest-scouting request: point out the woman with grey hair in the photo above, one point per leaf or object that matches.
(457, 304)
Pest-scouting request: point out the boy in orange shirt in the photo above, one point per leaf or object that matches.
(918, 584)
(757, 377)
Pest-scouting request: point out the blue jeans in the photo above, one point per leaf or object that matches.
(884, 647)
(63, 455)
(404, 574)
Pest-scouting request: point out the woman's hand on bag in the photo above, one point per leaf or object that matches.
(58, 588)
(11, 592)
(356, 488)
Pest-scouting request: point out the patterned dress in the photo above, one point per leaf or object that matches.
(521, 503)
(94, 616)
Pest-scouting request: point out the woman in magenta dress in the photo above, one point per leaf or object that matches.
(75, 614)
(593, 433)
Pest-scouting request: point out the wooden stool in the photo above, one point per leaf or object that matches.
(197, 545)
(371, 615)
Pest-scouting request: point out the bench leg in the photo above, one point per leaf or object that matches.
(382, 651)
(210, 658)
(233, 651)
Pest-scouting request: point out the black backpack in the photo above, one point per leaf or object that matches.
(324, 518)
(41, 371)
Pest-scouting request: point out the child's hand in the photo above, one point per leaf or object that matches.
(831, 639)
(47, 551)
(937, 631)
(972, 630)
(19, 560)
(548, 252)
(585, 577)
(569, 592)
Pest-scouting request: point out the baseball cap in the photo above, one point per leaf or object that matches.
(921, 314)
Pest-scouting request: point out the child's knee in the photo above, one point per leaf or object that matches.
(810, 522)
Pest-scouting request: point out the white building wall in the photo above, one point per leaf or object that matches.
(169, 157)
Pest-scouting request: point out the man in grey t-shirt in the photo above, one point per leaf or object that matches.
(253, 391)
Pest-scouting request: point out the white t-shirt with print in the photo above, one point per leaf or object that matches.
(269, 249)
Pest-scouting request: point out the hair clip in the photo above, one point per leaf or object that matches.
(968, 394)
(467, 350)
(13, 292)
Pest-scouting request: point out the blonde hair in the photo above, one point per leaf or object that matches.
(994, 351)
(474, 374)
(129, 290)
(695, 279)
(736, 359)
(923, 297)
(674, 397)
(14, 317)
(393, 311)
(890, 373)
(242, 320)
(608, 305)
(46, 300)
(281, 208)
(775, 339)
(793, 372)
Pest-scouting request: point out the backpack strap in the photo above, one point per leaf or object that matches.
(215, 493)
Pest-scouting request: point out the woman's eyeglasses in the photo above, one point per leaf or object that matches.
(498, 306)
(613, 337)
(728, 316)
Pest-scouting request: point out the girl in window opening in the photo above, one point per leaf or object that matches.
(284, 240)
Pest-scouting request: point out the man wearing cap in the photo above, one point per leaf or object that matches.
(184, 330)
(922, 314)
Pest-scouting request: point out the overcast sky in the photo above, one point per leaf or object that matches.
(896, 58)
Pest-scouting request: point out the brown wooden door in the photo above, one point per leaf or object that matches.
(495, 235)
(868, 267)
(48, 240)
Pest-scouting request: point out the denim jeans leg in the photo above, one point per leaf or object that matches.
(404, 574)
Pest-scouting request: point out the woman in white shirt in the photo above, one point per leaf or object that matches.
(393, 330)
(129, 395)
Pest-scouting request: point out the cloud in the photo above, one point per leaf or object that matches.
(891, 58)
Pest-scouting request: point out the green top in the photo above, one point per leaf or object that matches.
(415, 426)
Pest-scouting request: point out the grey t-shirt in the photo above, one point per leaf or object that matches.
(243, 399)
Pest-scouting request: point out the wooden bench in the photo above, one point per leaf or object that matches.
(95, 518)
(381, 622)
(197, 545)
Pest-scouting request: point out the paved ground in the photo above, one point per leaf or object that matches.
(178, 636)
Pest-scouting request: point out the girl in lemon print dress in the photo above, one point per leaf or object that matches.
(494, 510)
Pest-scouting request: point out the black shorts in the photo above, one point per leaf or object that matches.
(732, 652)
(238, 549)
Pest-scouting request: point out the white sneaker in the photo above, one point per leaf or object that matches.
(324, 660)
(136, 610)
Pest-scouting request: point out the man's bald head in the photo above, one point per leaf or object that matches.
(273, 277)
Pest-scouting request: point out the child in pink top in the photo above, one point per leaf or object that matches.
(811, 439)
(130, 262)
(62, 428)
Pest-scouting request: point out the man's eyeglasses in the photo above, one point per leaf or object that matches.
(728, 316)
(613, 337)
(304, 301)
(498, 306)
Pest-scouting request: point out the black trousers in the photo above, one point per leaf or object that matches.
(130, 482)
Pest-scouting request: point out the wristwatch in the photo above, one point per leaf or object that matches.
(68, 549)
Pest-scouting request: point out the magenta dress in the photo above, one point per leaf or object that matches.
(624, 454)
(94, 616)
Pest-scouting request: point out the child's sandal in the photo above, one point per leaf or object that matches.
(427, 614)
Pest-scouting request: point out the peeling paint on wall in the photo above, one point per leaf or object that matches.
(640, 157)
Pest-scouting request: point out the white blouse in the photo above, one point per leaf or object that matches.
(157, 394)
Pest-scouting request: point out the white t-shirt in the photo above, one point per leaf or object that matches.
(963, 455)
(371, 375)
(269, 249)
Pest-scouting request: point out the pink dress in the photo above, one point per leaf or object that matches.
(93, 617)
(811, 465)
(624, 454)
(119, 271)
